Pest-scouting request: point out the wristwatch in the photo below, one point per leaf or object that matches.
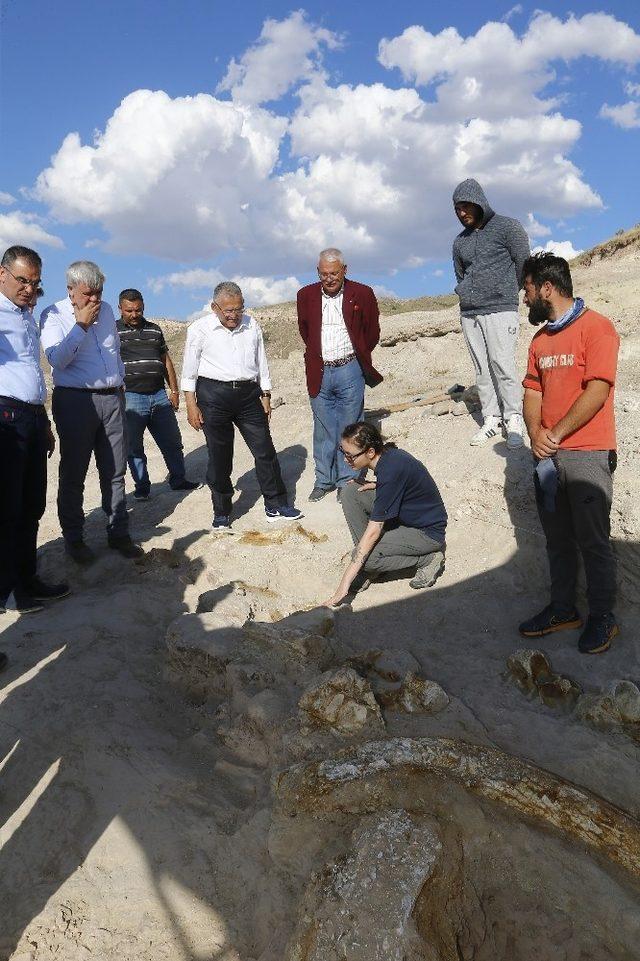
(266, 393)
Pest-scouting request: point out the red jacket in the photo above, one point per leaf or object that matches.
(360, 312)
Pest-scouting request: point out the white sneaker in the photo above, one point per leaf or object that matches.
(489, 430)
(515, 431)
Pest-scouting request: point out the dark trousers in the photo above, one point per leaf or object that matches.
(224, 407)
(581, 524)
(23, 491)
(91, 423)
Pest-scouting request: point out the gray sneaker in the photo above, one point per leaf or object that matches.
(429, 572)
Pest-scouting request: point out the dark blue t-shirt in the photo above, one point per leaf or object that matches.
(406, 492)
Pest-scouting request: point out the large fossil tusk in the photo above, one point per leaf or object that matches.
(381, 774)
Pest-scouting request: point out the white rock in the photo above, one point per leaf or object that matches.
(342, 701)
(360, 906)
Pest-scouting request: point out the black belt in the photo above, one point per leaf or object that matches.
(94, 390)
(22, 405)
(233, 384)
(341, 362)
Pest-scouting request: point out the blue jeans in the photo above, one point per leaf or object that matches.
(340, 402)
(155, 412)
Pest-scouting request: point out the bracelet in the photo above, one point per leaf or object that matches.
(174, 391)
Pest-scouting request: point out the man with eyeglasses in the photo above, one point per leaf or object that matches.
(26, 437)
(226, 384)
(338, 322)
(80, 340)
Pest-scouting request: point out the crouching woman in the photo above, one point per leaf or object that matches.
(397, 521)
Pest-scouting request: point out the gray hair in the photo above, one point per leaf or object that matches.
(227, 287)
(85, 272)
(330, 254)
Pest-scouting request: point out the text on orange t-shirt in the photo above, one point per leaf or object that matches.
(561, 364)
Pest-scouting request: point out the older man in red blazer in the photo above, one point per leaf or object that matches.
(338, 321)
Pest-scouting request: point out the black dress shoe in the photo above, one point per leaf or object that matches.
(4, 660)
(41, 591)
(79, 552)
(319, 492)
(187, 485)
(126, 547)
(25, 604)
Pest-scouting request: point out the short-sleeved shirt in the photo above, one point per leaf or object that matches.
(142, 349)
(561, 365)
(406, 493)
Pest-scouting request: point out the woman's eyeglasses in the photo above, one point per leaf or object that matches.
(351, 458)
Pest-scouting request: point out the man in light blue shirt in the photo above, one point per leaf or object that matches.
(81, 343)
(25, 436)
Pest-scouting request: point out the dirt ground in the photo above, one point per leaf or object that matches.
(129, 828)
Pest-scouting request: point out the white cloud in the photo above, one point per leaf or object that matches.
(494, 72)
(563, 248)
(205, 309)
(513, 12)
(6, 199)
(25, 229)
(385, 293)
(365, 167)
(625, 115)
(258, 291)
(286, 52)
(535, 229)
(632, 89)
(168, 176)
(195, 279)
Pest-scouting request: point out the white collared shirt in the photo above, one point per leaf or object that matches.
(336, 342)
(214, 351)
(81, 358)
(20, 372)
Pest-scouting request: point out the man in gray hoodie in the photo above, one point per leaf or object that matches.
(488, 256)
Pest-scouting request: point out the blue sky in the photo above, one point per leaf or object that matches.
(269, 131)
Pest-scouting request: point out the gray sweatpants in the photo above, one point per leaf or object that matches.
(398, 548)
(90, 423)
(491, 340)
(580, 522)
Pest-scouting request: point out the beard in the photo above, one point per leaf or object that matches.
(540, 311)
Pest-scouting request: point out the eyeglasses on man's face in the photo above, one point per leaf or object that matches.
(335, 275)
(34, 284)
(230, 311)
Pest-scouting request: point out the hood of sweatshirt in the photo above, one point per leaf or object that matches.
(470, 192)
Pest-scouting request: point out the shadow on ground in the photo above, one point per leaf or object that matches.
(92, 737)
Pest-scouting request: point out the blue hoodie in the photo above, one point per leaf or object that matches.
(488, 259)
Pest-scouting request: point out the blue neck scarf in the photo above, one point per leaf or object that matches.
(555, 325)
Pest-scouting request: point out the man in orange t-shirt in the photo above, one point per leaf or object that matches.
(568, 410)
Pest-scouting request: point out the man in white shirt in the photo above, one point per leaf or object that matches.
(80, 340)
(226, 383)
